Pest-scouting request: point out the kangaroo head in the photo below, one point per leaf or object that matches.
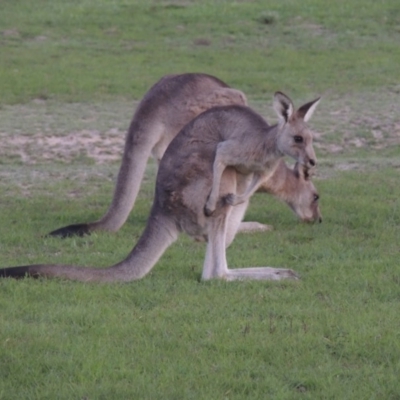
(304, 201)
(294, 137)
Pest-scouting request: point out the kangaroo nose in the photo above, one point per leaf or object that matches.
(312, 162)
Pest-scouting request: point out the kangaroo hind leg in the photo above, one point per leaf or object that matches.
(215, 265)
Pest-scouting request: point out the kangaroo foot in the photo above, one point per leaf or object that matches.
(250, 226)
(261, 273)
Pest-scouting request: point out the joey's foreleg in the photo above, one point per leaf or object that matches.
(218, 169)
(228, 154)
(236, 225)
(235, 199)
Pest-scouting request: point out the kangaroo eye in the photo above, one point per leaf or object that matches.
(298, 139)
(315, 197)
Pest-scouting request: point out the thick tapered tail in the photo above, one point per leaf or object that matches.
(130, 176)
(159, 234)
(129, 179)
(19, 272)
(72, 230)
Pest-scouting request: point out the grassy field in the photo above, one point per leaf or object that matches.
(70, 76)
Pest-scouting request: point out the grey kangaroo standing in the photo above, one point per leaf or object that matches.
(165, 109)
(225, 150)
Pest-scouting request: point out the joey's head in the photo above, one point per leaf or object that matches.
(304, 197)
(294, 138)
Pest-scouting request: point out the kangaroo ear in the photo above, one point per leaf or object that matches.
(301, 171)
(283, 106)
(306, 111)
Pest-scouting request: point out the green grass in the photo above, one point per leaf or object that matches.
(80, 66)
(89, 49)
(170, 336)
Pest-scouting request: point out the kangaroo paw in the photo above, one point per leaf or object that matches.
(233, 199)
(230, 199)
(71, 230)
(207, 211)
(209, 208)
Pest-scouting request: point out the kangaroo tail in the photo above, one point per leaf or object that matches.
(138, 146)
(159, 234)
(130, 176)
(72, 230)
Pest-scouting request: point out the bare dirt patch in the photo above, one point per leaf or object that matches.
(39, 148)
(44, 131)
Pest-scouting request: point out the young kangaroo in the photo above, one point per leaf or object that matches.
(165, 109)
(186, 181)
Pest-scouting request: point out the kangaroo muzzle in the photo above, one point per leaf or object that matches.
(310, 160)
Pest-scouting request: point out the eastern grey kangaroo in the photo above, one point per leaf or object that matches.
(230, 145)
(165, 109)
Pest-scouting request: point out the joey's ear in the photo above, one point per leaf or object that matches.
(306, 111)
(283, 106)
(301, 171)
